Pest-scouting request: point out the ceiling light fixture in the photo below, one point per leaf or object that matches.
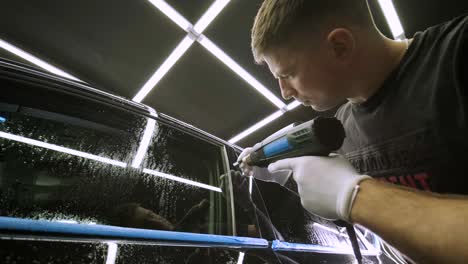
(293, 105)
(223, 57)
(194, 33)
(256, 127)
(392, 18)
(73, 152)
(183, 46)
(210, 15)
(182, 180)
(36, 61)
(171, 13)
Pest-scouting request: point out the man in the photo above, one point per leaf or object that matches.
(405, 119)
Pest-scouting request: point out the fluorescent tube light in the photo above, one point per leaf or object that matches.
(171, 13)
(223, 57)
(392, 18)
(73, 152)
(210, 15)
(182, 180)
(256, 127)
(293, 105)
(36, 61)
(183, 46)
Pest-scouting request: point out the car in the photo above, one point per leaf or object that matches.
(91, 177)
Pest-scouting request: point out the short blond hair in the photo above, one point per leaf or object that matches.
(277, 20)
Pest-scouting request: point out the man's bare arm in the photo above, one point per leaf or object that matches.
(428, 228)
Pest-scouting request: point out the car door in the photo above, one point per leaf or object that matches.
(87, 177)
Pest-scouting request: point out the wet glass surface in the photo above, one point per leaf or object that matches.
(68, 158)
(34, 252)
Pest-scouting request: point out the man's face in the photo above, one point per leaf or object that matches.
(310, 76)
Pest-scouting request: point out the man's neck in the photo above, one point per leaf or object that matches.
(378, 62)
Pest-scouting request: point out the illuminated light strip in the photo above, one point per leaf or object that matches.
(240, 260)
(293, 105)
(392, 18)
(61, 149)
(144, 144)
(195, 33)
(171, 13)
(179, 179)
(111, 252)
(36, 61)
(248, 132)
(210, 15)
(256, 127)
(183, 46)
(223, 57)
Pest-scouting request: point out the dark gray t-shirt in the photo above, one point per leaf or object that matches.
(413, 131)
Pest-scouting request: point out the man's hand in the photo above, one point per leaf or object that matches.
(246, 169)
(327, 185)
(262, 174)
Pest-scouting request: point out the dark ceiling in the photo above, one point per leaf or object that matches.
(116, 45)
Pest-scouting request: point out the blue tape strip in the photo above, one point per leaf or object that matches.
(2, 119)
(18, 224)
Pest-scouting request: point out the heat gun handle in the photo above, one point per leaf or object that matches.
(262, 159)
(317, 137)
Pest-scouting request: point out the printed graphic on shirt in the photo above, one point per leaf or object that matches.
(408, 160)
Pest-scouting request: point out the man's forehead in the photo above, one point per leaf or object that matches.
(279, 60)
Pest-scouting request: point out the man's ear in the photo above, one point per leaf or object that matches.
(342, 44)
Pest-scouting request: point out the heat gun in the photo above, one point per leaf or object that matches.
(317, 137)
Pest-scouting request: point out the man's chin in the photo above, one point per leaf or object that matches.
(324, 107)
(320, 108)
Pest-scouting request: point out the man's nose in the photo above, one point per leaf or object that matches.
(287, 92)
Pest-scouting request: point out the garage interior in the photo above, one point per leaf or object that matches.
(188, 59)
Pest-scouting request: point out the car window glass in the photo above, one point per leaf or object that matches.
(67, 157)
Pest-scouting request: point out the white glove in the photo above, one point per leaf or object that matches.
(327, 185)
(246, 169)
(259, 173)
